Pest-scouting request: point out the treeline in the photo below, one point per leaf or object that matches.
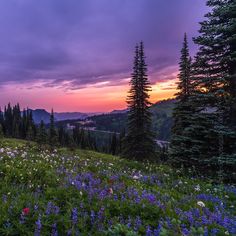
(204, 119)
(204, 130)
(15, 123)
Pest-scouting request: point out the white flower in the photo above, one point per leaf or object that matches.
(201, 204)
(135, 177)
(197, 188)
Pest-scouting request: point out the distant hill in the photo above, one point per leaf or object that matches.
(119, 111)
(116, 120)
(162, 118)
(164, 106)
(41, 114)
(70, 115)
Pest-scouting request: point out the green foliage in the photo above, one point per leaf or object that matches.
(37, 179)
(139, 141)
(183, 112)
(42, 134)
(53, 137)
(207, 135)
(120, 230)
(1, 131)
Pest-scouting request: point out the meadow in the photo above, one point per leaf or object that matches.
(80, 192)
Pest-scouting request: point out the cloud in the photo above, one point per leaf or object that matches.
(73, 44)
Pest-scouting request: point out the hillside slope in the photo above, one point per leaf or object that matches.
(88, 193)
(116, 121)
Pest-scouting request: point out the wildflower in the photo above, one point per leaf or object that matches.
(197, 188)
(201, 204)
(4, 198)
(26, 211)
(74, 215)
(22, 218)
(148, 231)
(54, 230)
(92, 215)
(110, 190)
(38, 227)
(135, 177)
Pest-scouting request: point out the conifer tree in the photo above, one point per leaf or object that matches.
(42, 134)
(183, 111)
(30, 132)
(213, 125)
(113, 145)
(2, 121)
(139, 142)
(16, 121)
(8, 118)
(1, 131)
(62, 136)
(53, 138)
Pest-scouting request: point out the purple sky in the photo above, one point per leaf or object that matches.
(71, 45)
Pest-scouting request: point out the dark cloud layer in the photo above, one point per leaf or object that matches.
(76, 43)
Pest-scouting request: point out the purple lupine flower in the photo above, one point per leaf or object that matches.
(74, 215)
(138, 223)
(129, 222)
(49, 208)
(38, 226)
(185, 231)
(52, 209)
(22, 218)
(4, 198)
(158, 230)
(214, 232)
(92, 215)
(54, 230)
(36, 207)
(56, 210)
(148, 231)
(205, 232)
(69, 232)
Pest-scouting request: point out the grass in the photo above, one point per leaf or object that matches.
(88, 193)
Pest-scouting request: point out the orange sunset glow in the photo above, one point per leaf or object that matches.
(89, 99)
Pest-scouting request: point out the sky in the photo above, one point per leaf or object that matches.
(77, 55)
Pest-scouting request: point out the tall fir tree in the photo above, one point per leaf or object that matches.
(53, 137)
(42, 134)
(8, 120)
(183, 111)
(1, 131)
(2, 122)
(16, 121)
(113, 144)
(139, 142)
(30, 127)
(213, 122)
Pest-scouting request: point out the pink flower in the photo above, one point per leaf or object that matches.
(26, 211)
(110, 190)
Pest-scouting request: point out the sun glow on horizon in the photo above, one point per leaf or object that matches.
(102, 97)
